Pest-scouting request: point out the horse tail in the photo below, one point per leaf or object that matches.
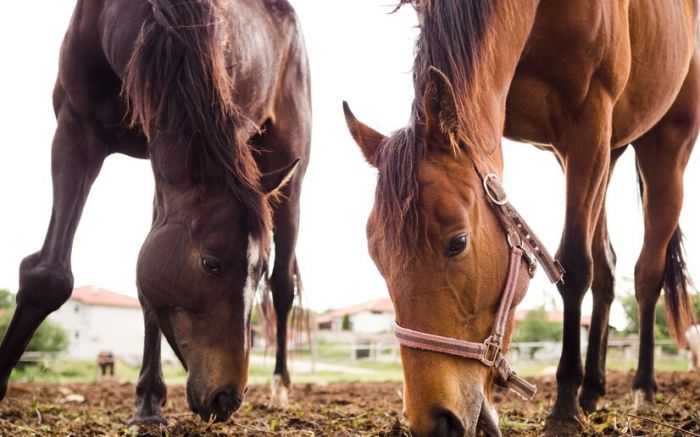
(301, 317)
(680, 312)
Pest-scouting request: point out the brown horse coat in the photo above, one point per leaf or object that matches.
(582, 78)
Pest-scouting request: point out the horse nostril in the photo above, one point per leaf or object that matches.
(448, 424)
(224, 403)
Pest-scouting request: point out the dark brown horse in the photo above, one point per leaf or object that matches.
(216, 94)
(583, 79)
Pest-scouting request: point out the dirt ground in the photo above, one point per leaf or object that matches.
(349, 409)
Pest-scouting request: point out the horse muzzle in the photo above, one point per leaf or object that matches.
(218, 405)
(446, 423)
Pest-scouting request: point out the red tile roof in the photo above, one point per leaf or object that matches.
(382, 305)
(91, 295)
(552, 316)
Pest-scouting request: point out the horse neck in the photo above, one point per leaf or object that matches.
(481, 97)
(171, 161)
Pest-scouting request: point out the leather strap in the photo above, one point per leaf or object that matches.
(489, 352)
(512, 221)
(524, 244)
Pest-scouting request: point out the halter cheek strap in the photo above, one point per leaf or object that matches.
(512, 221)
(523, 244)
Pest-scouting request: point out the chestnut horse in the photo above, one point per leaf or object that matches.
(216, 94)
(583, 79)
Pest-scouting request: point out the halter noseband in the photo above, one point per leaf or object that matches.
(523, 244)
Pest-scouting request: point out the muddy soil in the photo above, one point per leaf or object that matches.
(348, 409)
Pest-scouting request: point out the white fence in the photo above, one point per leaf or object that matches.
(385, 348)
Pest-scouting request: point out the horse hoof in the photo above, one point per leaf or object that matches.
(644, 401)
(589, 404)
(555, 427)
(279, 394)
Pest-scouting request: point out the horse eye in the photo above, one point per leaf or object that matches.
(457, 245)
(211, 266)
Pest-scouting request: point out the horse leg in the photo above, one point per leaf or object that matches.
(603, 288)
(284, 282)
(585, 149)
(662, 155)
(46, 280)
(288, 137)
(150, 390)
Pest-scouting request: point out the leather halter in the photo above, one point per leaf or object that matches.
(523, 244)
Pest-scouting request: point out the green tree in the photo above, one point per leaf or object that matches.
(7, 300)
(347, 323)
(661, 331)
(536, 327)
(48, 338)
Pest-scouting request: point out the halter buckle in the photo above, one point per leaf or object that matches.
(491, 353)
(493, 196)
(531, 262)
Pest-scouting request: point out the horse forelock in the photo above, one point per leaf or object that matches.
(452, 39)
(177, 83)
(401, 224)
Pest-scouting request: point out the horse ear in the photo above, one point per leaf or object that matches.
(440, 106)
(276, 179)
(367, 138)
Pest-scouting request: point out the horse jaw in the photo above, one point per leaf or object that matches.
(279, 394)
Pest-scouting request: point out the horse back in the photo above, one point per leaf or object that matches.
(100, 40)
(265, 46)
(662, 43)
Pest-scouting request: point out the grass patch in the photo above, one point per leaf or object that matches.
(331, 366)
(66, 371)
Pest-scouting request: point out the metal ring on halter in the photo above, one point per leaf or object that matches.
(490, 194)
(514, 240)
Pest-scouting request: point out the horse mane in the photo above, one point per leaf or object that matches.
(451, 39)
(177, 84)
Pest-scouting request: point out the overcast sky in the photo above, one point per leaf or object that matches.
(359, 53)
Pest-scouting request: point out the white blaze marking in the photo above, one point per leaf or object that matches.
(252, 281)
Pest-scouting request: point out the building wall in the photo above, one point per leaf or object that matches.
(368, 322)
(93, 329)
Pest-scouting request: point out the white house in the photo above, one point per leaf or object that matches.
(100, 320)
(371, 317)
